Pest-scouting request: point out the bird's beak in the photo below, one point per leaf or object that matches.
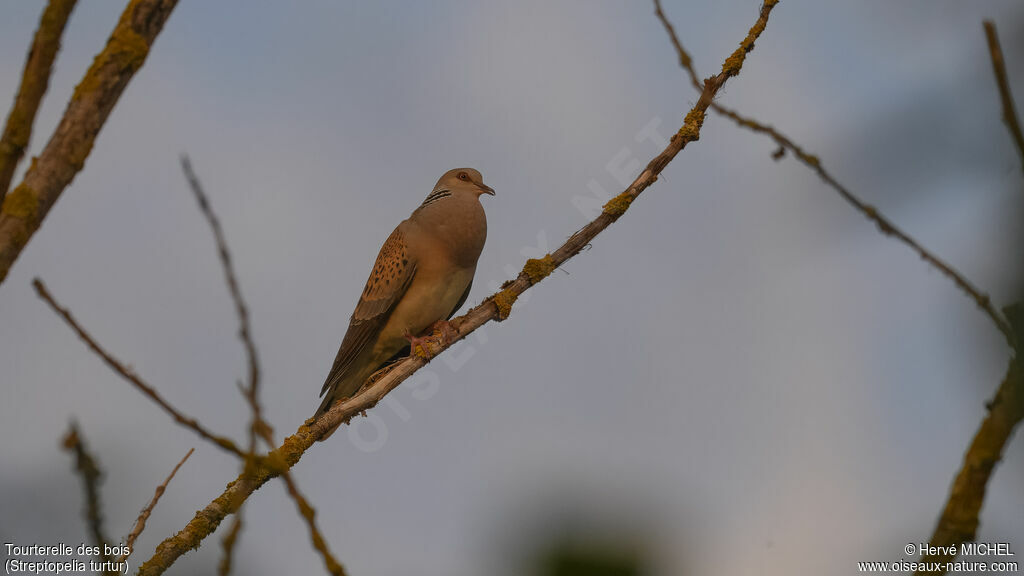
(487, 189)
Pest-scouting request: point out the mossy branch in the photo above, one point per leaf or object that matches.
(959, 520)
(26, 206)
(35, 79)
(1003, 83)
(885, 225)
(293, 447)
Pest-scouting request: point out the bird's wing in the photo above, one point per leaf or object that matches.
(391, 276)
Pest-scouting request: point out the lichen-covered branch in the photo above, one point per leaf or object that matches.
(89, 470)
(130, 375)
(64, 156)
(870, 212)
(496, 307)
(140, 522)
(959, 520)
(1003, 82)
(34, 81)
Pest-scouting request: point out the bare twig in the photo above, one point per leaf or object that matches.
(64, 156)
(259, 427)
(129, 375)
(870, 212)
(34, 81)
(86, 466)
(140, 522)
(228, 545)
(309, 515)
(496, 307)
(244, 330)
(999, 68)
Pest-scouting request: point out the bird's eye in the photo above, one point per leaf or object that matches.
(463, 176)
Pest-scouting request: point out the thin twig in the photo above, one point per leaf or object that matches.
(89, 470)
(870, 212)
(65, 154)
(34, 81)
(999, 68)
(242, 311)
(259, 427)
(309, 515)
(129, 375)
(228, 545)
(140, 522)
(496, 307)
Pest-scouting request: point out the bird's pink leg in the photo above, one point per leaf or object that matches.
(445, 330)
(440, 333)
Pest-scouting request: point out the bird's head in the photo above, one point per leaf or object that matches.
(463, 180)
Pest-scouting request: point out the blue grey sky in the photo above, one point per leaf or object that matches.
(740, 376)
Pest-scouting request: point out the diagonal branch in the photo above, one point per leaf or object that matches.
(64, 156)
(870, 212)
(259, 427)
(999, 68)
(133, 378)
(34, 82)
(86, 466)
(140, 522)
(959, 520)
(496, 307)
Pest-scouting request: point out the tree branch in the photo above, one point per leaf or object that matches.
(64, 156)
(140, 522)
(496, 307)
(34, 81)
(89, 470)
(870, 212)
(959, 520)
(129, 375)
(999, 68)
(241, 310)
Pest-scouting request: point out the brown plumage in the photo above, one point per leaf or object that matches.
(423, 274)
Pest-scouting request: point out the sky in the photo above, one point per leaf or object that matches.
(740, 376)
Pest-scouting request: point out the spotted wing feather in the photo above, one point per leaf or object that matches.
(391, 276)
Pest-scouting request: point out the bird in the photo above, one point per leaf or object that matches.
(422, 276)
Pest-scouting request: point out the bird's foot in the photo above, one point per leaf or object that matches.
(442, 333)
(420, 346)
